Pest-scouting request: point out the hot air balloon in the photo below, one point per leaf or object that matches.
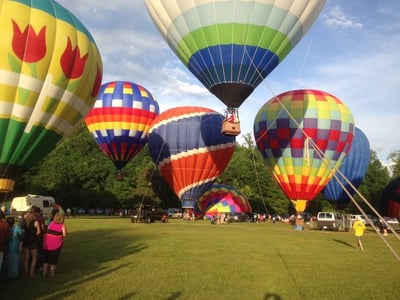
(189, 150)
(353, 168)
(231, 46)
(120, 120)
(303, 135)
(222, 198)
(51, 73)
(390, 199)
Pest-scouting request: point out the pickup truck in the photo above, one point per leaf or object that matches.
(148, 214)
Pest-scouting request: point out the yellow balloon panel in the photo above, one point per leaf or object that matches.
(50, 74)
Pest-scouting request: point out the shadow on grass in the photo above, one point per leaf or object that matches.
(174, 296)
(272, 297)
(81, 260)
(343, 243)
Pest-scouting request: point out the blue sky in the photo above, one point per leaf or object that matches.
(352, 51)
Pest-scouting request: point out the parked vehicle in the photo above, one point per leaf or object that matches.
(367, 221)
(80, 211)
(24, 203)
(174, 213)
(238, 217)
(148, 214)
(333, 221)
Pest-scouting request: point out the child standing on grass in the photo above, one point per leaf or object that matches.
(359, 228)
(14, 249)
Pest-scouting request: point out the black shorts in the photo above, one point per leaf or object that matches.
(51, 256)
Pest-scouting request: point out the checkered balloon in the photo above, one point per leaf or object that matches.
(303, 136)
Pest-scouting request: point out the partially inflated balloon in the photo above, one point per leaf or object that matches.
(50, 74)
(354, 167)
(304, 142)
(390, 199)
(189, 150)
(231, 46)
(222, 198)
(120, 120)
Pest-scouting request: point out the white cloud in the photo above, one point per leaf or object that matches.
(337, 18)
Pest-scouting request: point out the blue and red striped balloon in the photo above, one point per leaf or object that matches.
(188, 148)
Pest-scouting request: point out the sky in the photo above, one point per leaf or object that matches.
(352, 51)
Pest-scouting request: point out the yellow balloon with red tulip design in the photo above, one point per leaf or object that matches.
(50, 74)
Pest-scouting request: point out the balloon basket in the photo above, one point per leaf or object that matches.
(120, 176)
(6, 185)
(230, 128)
(299, 225)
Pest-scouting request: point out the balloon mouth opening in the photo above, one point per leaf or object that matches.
(6, 185)
(232, 94)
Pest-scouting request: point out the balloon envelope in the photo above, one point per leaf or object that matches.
(231, 46)
(390, 199)
(285, 139)
(120, 120)
(354, 167)
(51, 72)
(222, 198)
(189, 150)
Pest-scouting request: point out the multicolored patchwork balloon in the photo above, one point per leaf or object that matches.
(189, 150)
(353, 168)
(120, 120)
(303, 135)
(50, 74)
(231, 46)
(222, 198)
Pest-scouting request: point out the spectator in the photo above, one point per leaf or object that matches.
(30, 244)
(38, 217)
(359, 228)
(4, 236)
(14, 249)
(384, 227)
(59, 208)
(53, 243)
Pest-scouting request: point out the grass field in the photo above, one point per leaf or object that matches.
(112, 258)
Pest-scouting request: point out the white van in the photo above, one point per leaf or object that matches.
(174, 213)
(327, 220)
(24, 203)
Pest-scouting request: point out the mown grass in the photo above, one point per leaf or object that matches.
(111, 258)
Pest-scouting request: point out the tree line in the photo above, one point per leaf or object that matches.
(78, 174)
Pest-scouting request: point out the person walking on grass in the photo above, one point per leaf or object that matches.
(359, 228)
(52, 243)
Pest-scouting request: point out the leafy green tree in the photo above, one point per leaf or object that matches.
(395, 158)
(78, 174)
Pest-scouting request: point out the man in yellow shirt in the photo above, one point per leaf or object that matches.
(359, 228)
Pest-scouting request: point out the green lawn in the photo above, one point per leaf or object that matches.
(112, 258)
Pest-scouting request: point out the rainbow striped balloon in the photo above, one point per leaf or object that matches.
(50, 74)
(222, 198)
(303, 135)
(231, 46)
(189, 150)
(120, 120)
